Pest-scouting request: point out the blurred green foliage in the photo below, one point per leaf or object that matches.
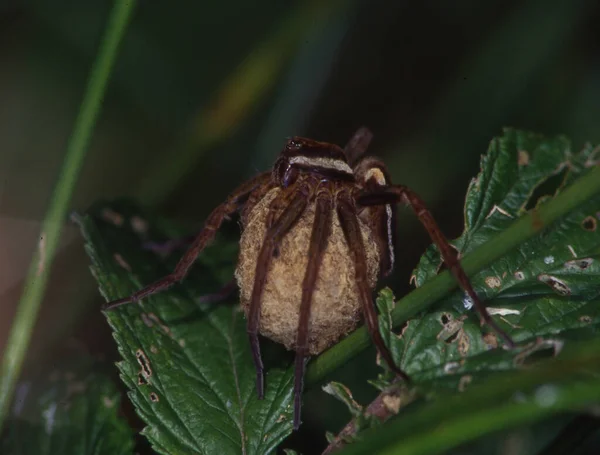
(71, 409)
(434, 80)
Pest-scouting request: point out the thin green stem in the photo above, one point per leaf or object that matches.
(39, 269)
(425, 296)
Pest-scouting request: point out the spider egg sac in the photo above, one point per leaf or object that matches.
(335, 308)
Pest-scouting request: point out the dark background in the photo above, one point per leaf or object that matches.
(204, 94)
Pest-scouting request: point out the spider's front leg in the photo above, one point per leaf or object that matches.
(358, 145)
(318, 243)
(297, 198)
(204, 237)
(400, 193)
(350, 226)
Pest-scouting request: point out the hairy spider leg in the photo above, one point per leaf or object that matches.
(403, 194)
(298, 200)
(348, 220)
(204, 237)
(318, 243)
(358, 145)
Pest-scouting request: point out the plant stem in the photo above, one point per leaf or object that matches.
(39, 269)
(422, 298)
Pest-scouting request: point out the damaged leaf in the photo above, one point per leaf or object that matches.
(187, 364)
(506, 400)
(543, 287)
(544, 294)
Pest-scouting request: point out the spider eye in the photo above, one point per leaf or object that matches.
(294, 144)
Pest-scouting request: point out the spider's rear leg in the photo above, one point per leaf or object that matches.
(297, 201)
(351, 228)
(318, 243)
(167, 247)
(401, 193)
(358, 145)
(204, 237)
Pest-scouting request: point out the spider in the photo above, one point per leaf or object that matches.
(318, 232)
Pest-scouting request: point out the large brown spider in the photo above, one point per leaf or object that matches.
(318, 231)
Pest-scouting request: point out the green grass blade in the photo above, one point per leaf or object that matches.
(39, 269)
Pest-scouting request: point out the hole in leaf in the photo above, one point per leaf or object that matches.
(558, 286)
(519, 275)
(145, 371)
(493, 282)
(399, 332)
(579, 264)
(451, 328)
(589, 224)
(452, 338)
(464, 343)
(142, 379)
(546, 188)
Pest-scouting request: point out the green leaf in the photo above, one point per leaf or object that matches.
(71, 410)
(343, 394)
(506, 400)
(188, 364)
(543, 287)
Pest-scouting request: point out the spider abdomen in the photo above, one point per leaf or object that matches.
(335, 308)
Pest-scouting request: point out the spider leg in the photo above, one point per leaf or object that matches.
(318, 243)
(297, 204)
(349, 222)
(206, 235)
(401, 193)
(358, 144)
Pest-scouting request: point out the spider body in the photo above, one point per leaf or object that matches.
(318, 231)
(335, 305)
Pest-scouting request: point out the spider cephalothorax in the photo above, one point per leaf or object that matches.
(318, 231)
